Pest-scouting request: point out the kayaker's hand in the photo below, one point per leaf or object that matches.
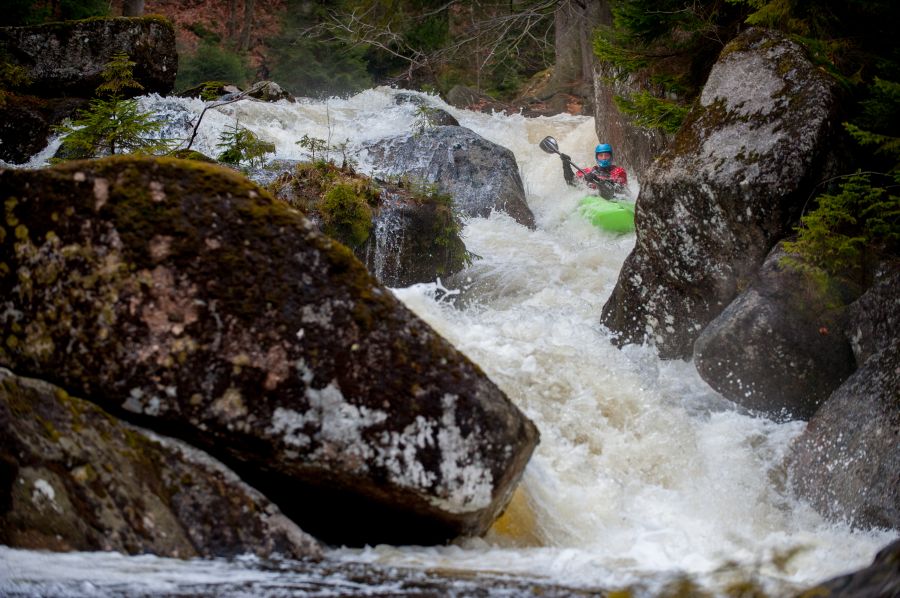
(565, 158)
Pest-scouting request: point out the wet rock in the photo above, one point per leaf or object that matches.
(432, 117)
(412, 236)
(847, 461)
(873, 321)
(68, 58)
(880, 579)
(26, 123)
(480, 176)
(778, 347)
(75, 478)
(412, 241)
(730, 186)
(268, 91)
(183, 294)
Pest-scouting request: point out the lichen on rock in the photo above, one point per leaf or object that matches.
(186, 295)
(731, 184)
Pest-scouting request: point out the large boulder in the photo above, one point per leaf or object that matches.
(730, 186)
(183, 294)
(68, 58)
(74, 478)
(481, 176)
(847, 461)
(779, 347)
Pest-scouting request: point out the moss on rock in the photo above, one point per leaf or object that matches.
(169, 287)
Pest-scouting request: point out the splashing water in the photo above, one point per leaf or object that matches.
(643, 472)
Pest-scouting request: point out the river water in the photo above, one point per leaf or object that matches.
(644, 474)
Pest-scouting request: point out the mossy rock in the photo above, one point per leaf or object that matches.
(209, 90)
(184, 154)
(182, 293)
(404, 233)
(75, 478)
(68, 58)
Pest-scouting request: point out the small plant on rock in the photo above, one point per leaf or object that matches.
(241, 145)
(346, 214)
(313, 145)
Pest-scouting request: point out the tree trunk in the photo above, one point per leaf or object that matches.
(249, 5)
(231, 28)
(133, 8)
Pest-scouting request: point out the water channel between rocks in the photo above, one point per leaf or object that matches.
(643, 473)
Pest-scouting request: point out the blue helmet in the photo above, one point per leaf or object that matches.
(603, 148)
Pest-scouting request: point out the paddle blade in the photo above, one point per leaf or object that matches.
(549, 145)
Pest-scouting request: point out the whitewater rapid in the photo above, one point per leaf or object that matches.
(643, 472)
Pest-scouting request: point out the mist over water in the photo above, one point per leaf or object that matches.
(643, 472)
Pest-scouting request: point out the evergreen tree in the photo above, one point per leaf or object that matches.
(112, 124)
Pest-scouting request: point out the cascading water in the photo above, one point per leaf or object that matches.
(643, 472)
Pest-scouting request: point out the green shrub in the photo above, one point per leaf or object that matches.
(849, 230)
(652, 112)
(860, 223)
(346, 214)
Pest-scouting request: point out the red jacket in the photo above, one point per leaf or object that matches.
(616, 174)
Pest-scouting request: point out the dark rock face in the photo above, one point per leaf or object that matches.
(881, 579)
(411, 242)
(730, 185)
(874, 320)
(461, 96)
(26, 121)
(847, 461)
(75, 478)
(182, 293)
(778, 348)
(480, 176)
(67, 59)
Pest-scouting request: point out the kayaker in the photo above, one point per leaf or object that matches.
(608, 179)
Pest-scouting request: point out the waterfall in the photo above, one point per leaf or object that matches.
(643, 473)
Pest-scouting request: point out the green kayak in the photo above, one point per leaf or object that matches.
(612, 216)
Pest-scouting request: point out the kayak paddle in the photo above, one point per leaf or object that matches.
(549, 145)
